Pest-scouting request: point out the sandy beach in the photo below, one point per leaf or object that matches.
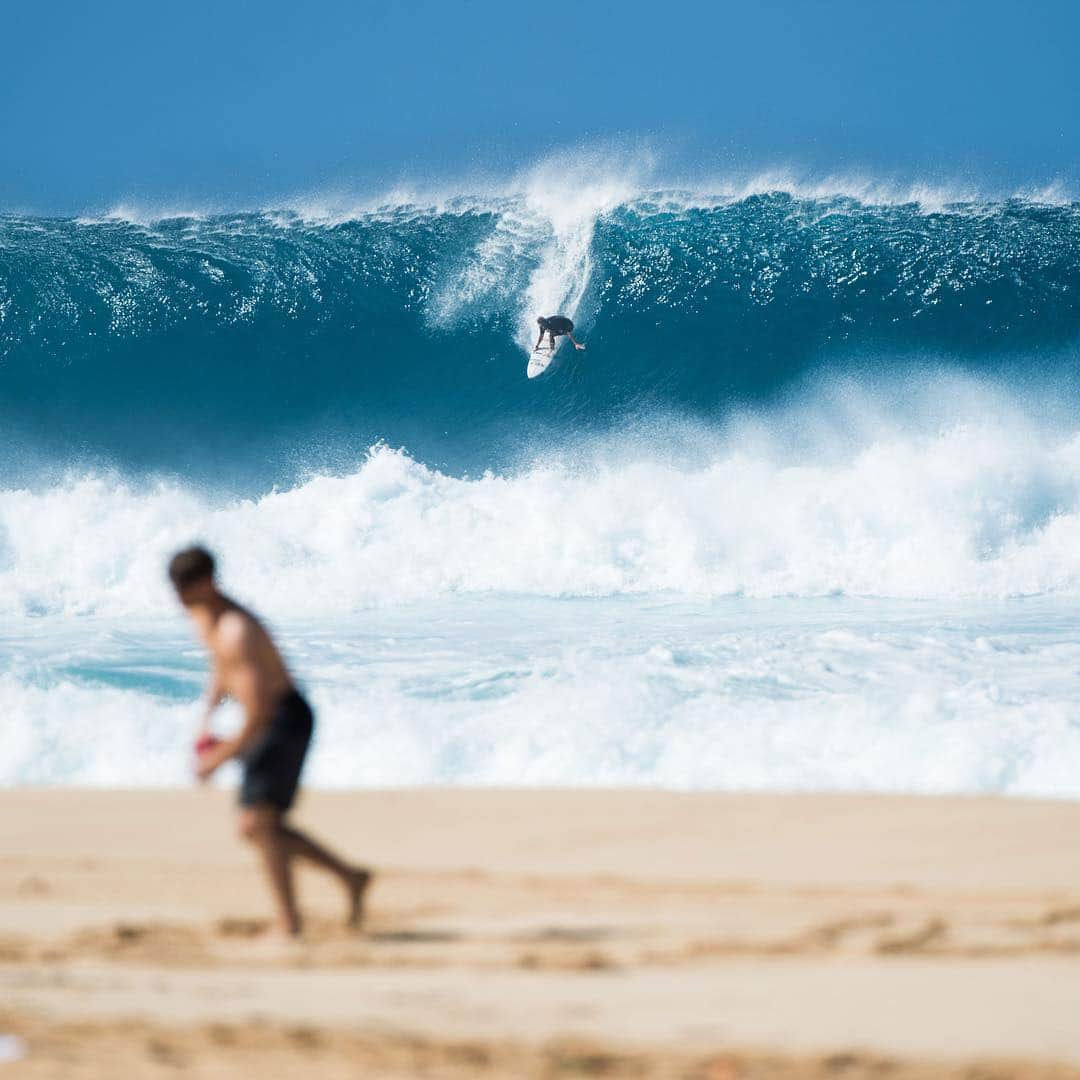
(547, 933)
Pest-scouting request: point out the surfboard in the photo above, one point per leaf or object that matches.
(541, 357)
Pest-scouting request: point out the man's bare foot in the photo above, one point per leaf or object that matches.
(358, 887)
(271, 947)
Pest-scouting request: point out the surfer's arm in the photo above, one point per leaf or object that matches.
(538, 340)
(577, 344)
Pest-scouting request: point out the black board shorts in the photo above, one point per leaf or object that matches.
(272, 768)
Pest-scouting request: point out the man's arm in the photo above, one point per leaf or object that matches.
(247, 686)
(577, 344)
(215, 692)
(538, 340)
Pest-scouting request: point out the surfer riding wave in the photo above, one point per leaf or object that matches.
(556, 326)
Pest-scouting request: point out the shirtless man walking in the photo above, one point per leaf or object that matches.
(271, 744)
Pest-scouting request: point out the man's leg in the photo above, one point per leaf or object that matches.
(354, 878)
(261, 825)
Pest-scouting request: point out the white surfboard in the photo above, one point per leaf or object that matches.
(541, 357)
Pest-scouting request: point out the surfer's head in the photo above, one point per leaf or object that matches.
(541, 321)
(192, 574)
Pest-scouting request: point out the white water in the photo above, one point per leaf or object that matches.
(934, 507)
(860, 595)
(545, 221)
(780, 695)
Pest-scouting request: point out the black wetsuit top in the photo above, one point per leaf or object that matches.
(558, 325)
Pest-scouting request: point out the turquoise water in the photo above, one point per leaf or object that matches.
(806, 514)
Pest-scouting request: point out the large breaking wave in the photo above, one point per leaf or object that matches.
(271, 343)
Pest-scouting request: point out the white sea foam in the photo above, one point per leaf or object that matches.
(571, 196)
(545, 220)
(657, 607)
(783, 695)
(843, 497)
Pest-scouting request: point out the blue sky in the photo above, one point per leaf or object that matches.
(234, 103)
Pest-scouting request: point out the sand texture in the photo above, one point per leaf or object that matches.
(548, 933)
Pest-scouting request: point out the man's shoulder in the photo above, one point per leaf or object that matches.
(235, 630)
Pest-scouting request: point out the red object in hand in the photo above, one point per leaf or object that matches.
(204, 743)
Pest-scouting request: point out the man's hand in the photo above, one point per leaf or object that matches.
(579, 346)
(208, 761)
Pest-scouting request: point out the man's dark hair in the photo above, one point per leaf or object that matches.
(190, 565)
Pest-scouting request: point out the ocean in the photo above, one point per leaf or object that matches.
(805, 514)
